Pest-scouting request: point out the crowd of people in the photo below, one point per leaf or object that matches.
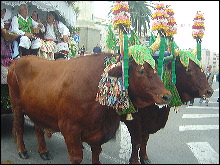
(47, 39)
(30, 32)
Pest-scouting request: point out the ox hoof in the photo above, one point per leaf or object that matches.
(23, 155)
(145, 161)
(45, 156)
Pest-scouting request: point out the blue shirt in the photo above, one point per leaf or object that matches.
(97, 49)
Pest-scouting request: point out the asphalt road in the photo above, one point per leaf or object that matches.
(191, 136)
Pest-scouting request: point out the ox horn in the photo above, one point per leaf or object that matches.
(195, 52)
(156, 45)
(176, 52)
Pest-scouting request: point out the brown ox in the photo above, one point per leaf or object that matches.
(60, 96)
(191, 83)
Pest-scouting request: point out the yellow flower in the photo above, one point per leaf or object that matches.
(118, 22)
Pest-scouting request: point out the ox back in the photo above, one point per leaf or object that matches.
(60, 96)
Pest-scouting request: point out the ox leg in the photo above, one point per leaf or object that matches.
(73, 142)
(42, 149)
(18, 132)
(143, 152)
(135, 133)
(96, 150)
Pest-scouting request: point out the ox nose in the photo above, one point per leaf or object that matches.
(209, 93)
(166, 98)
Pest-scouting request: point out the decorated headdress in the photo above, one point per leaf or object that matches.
(142, 54)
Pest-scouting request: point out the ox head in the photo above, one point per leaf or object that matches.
(145, 86)
(191, 81)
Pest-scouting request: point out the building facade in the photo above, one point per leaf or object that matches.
(89, 33)
(210, 58)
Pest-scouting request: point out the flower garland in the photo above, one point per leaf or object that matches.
(167, 80)
(111, 91)
(172, 29)
(122, 14)
(198, 26)
(159, 18)
(47, 49)
(72, 47)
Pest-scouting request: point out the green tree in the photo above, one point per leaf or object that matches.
(140, 16)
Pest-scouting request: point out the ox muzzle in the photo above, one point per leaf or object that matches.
(166, 98)
(163, 99)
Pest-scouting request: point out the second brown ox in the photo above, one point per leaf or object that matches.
(191, 83)
(60, 96)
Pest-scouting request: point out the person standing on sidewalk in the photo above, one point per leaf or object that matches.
(82, 50)
(97, 49)
(210, 77)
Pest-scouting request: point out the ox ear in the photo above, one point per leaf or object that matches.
(115, 72)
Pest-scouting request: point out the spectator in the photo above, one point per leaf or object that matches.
(5, 18)
(57, 32)
(191, 102)
(6, 47)
(82, 50)
(9, 41)
(97, 49)
(210, 77)
(36, 31)
(22, 25)
(35, 16)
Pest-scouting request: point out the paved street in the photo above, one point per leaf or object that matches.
(190, 136)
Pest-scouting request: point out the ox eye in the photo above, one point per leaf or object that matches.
(141, 72)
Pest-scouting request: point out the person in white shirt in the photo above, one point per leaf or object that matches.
(58, 32)
(22, 25)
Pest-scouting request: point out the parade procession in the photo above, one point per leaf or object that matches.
(65, 101)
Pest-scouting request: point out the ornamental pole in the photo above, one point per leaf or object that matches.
(172, 29)
(198, 29)
(121, 20)
(159, 23)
